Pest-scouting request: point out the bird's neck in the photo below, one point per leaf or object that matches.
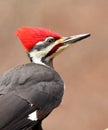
(40, 60)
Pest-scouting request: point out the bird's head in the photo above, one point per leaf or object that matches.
(42, 45)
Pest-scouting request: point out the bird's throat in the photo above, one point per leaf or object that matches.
(34, 58)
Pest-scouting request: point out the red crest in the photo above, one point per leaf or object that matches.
(31, 36)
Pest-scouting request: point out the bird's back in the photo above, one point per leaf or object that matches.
(27, 88)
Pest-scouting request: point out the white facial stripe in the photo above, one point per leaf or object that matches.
(42, 42)
(39, 43)
(33, 116)
(38, 55)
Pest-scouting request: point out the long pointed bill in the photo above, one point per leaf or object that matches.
(63, 43)
(75, 38)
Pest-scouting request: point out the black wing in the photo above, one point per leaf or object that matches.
(11, 109)
(25, 89)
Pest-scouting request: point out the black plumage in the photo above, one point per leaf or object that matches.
(29, 93)
(27, 88)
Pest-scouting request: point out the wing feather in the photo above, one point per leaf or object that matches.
(25, 89)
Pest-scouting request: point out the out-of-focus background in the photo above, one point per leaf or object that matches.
(83, 66)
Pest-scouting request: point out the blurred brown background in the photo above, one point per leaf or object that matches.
(83, 66)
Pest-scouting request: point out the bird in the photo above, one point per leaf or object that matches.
(31, 91)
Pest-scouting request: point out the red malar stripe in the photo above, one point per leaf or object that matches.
(54, 49)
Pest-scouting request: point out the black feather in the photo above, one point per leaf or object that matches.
(27, 88)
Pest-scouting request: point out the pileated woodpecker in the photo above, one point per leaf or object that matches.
(29, 92)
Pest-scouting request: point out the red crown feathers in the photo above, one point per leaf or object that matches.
(30, 36)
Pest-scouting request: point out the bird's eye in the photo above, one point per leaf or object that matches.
(49, 39)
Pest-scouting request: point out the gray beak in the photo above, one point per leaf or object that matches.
(75, 38)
